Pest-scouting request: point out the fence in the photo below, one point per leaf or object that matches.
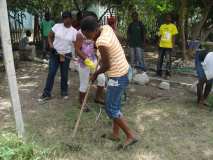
(16, 26)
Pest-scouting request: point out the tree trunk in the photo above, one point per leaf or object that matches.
(183, 13)
(77, 6)
(196, 28)
(205, 33)
(36, 37)
(108, 8)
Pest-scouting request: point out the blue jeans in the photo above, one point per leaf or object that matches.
(115, 89)
(54, 63)
(137, 57)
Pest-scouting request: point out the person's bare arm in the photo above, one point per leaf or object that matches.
(105, 63)
(78, 45)
(51, 36)
(173, 41)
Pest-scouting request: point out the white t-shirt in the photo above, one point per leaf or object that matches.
(208, 65)
(64, 38)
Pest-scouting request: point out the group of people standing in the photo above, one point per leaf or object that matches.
(100, 53)
(166, 42)
(136, 37)
(60, 39)
(102, 58)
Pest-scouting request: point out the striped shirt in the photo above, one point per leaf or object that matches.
(118, 63)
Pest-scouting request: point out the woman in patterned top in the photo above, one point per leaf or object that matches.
(85, 50)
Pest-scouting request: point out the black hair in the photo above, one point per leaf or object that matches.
(89, 24)
(66, 14)
(47, 14)
(28, 33)
(168, 15)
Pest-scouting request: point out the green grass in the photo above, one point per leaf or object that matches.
(14, 148)
(168, 130)
(210, 100)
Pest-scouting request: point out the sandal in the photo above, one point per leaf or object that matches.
(125, 146)
(110, 137)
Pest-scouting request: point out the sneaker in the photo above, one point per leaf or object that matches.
(44, 98)
(65, 97)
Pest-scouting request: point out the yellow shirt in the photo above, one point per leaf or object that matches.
(167, 31)
(118, 63)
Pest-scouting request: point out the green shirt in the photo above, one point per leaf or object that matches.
(46, 27)
(136, 34)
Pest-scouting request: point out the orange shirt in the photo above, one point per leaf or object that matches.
(118, 63)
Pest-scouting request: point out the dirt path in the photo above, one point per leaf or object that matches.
(168, 123)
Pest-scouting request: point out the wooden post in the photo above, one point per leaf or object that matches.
(9, 65)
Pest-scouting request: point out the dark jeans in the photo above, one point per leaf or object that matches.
(54, 63)
(45, 47)
(167, 54)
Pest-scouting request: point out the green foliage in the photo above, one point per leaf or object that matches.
(149, 11)
(159, 6)
(210, 100)
(38, 7)
(11, 147)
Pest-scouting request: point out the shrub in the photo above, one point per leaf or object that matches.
(14, 148)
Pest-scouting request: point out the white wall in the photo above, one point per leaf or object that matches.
(99, 10)
(28, 21)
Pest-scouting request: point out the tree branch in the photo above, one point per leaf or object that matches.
(205, 33)
(77, 6)
(108, 8)
(207, 3)
(196, 29)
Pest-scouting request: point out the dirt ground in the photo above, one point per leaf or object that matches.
(169, 124)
